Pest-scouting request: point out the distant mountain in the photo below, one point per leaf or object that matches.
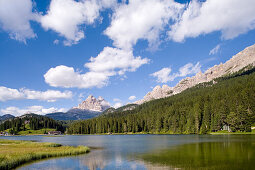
(227, 103)
(120, 109)
(93, 104)
(89, 108)
(244, 60)
(75, 115)
(29, 115)
(6, 117)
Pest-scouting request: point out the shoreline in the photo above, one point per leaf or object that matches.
(147, 133)
(143, 133)
(14, 153)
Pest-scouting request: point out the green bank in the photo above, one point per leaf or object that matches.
(14, 153)
(31, 124)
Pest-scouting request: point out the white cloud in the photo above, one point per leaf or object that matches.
(132, 98)
(116, 100)
(110, 62)
(68, 17)
(164, 76)
(56, 42)
(49, 95)
(15, 17)
(31, 109)
(10, 94)
(215, 50)
(189, 69)
(114, 60)
(231, 17)
(63, 76)
(132, 21)
(117, 105)
(141, 19)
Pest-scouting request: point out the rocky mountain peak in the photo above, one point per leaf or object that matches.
(239, 61)
(156, 93)
(90, 98)
(93, 104)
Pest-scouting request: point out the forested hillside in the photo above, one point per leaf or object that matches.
(205, 108)
(30, 122)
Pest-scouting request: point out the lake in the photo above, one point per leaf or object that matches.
(151, 152)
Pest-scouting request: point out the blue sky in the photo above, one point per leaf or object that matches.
(46, 48)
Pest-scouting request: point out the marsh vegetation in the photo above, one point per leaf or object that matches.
(14, 153)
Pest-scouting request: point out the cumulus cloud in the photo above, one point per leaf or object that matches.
(164, 76)
(141, 19)
(49, 95)
(215, 50)
(138, 19)
(189, 69)
(15, 17)
(56, 42)
(132, 98)
(116, 100)
(68, 17)
(63, 76)
(110, 62)
(117, 105)
(231, 17)
(10, 94)
(31, 109)
(115, 60)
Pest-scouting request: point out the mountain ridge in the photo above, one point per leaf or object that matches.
(239, 61)
(93, 104)
(89, 108)
(6, 117)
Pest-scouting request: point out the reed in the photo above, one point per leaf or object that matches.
(14, 153)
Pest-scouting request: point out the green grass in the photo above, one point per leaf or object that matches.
(35, 132)
(14, 153)
(52, 136)
(223, 132)
(28, 131)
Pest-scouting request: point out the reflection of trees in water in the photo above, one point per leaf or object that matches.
(207, 155)
(94, 160)
(150, 166)
(99, 159)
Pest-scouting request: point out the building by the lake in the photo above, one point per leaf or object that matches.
(54, 133)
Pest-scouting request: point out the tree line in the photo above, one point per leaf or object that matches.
(35, 122)
(204, 108)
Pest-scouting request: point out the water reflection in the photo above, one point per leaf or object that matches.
(94, 160)
(151, 152)
(208, 155)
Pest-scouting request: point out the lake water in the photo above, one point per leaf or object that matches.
(151, 152)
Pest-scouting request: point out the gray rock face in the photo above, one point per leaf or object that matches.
(6, 117)
(93, 104)
(157, 93)
(236, 63)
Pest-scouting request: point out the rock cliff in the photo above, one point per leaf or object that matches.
(236, 63)
(93, 104)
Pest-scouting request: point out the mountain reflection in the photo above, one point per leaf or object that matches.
(98, 159)
(94, 160)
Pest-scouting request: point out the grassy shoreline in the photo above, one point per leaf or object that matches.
(14, 153)
(224, 132)
(171, 133)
